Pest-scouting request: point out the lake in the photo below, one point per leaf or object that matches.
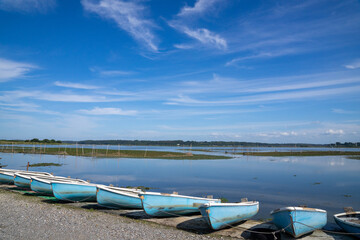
(329, 183)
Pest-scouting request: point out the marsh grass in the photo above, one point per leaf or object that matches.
(45, 165)
(108, 153)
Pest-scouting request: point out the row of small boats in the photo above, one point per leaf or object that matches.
(296, 221)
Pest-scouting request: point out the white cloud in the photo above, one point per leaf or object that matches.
(200, 6)
(41, 6)
(109, 111)
(11, 70)
(183, 46)
(206, 37)
(75, 85)
(354, 65)
(342, 111)
(110, 73)
(203, 35)
(265, 98)
(334, 132)
(128, 16)
(264, 55)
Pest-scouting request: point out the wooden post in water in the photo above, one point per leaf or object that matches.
(76, 149)
(107, 149)
(82, 148)
(119, 150)
(27, 167)
(145, 152)
(12, 147)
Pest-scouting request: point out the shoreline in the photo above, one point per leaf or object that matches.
(26, 214)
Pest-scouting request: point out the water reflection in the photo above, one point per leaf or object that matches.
(329, 183)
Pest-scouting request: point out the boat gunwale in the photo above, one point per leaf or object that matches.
(290, 209)
(29, 175)
(176, 195)
(49, 180)
(213, 204)
(10, 174)
(125, 192)
(353, 224)
(77, 183)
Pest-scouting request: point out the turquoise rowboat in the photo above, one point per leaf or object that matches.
(7, 175)
(298, 221)
(170, 205)
(114, 197)
(221, 215)
(42, 184)
(22, 179)
(349, 221)
(74, 191)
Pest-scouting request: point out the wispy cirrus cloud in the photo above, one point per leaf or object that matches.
(182, 23)
(41, 6)
(277, 30)
(265, 98)
(199, 7)
(342, 111)
(109, 111)
(110, 73)
(75, 85)
(206, 37)
(264, 55)
(354, 65)
(128, 15)
(11, 70)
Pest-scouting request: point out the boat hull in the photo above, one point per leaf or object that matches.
(22, 182)
(73, 192)
(299, 221)
(41, 187)
(170, 205)
(342, 220)
(219, 216)
(118, 199)
(6, 178)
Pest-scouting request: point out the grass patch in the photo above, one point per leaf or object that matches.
(103, 153)
(355, 155)
(45, 165)
(355, 158)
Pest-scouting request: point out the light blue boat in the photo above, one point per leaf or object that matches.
(298, 221)
(22, 179)
(114, 197)
(349, 221)
(221, 215)
(42, 184)
(74, 191)
(170, 205)
(7, 176)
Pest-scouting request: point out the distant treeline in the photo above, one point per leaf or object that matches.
(34, 140)
(181, 143)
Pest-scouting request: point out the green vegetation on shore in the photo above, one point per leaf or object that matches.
(45, 165)
(102, 153)
(301, 153)
(32, 141)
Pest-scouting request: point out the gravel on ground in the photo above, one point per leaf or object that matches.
(30, 217)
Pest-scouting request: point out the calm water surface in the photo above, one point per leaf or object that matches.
(329, 183)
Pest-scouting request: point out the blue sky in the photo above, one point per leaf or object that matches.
(231, 70)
